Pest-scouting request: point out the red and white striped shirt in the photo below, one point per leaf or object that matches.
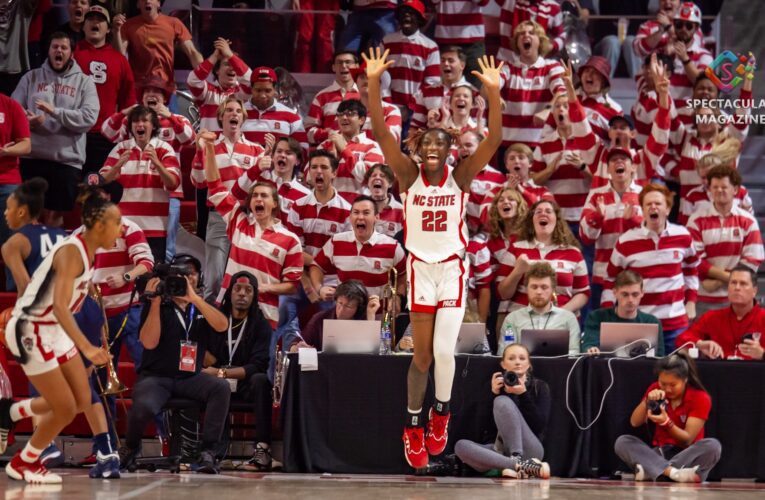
(526, 91)
(314, 223)
(392, 117)
(145, 198)
(175, 130)
(368, 262)
(648, 28)
(417, 66)
(420, 111)
(390, 220)
(359, 155)
(724, 242)
(646, 160)
(530, 192)
(700, 199)
(233, 160)
(599, 110)
(289, 191)
(322, 115)
(681, 87)
(209, 96)
(459, 21)
(738, 129)
(568, 183)
(273, 255)
(488, 180)
(546, 13)
(360, 5)
(501, 266)
(668, 263)
(130, 250)
(568, 263)
(480, 263)
(644, 113)
(278, 120)
(603, 230)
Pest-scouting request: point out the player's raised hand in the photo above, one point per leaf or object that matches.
(377, 62)
(490, 72)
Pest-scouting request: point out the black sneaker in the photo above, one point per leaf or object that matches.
(261, 459)
(533, 468)
(127, 457)
(6, 423)
(206, 463)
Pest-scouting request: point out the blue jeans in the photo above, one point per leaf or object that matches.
(588, 252)
(609, 48)
(5, 231)
(129, 334)
(669, 339)
(366, 28)
(173, 223)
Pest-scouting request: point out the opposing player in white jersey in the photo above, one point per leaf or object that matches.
(44, 338)
(436, 237)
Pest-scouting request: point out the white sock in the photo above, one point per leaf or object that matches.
(30, 454)
(447, 329)
(21, 409)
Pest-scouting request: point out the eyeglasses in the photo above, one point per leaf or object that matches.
(689, 26)
(347, 114)
(345, 63)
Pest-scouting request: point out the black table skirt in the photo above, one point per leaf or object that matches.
(348, 416)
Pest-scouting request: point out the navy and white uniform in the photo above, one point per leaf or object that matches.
(436, 237)
(41, 337)
(41, 240)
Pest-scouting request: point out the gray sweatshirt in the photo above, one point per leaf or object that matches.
(61, 137)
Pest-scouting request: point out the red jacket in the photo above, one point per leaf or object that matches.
(723, 327)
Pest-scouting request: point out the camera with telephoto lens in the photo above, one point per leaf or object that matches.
(655, 406)
(510, 378)
(172, 282)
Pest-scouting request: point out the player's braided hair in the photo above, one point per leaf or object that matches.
(414, 140)
(94, 203)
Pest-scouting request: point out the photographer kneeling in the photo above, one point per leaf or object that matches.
(173, 331)
(679, 406)
(521, 412)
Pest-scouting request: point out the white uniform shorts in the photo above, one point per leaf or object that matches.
(47, 345)
(433, 286)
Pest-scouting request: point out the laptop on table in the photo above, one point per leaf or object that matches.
(349, 336)
(545, 342)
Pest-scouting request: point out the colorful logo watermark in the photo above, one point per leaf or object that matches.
(728, 70)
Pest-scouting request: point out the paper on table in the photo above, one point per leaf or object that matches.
(308, 359)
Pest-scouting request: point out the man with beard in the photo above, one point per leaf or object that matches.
(242, 358)
(691, 58)
(322, 116)
(61, 103)
(234, 156)
(540, 314)
(112, 75)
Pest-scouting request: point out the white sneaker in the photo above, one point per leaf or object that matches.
(639, 473)
(509, 474)
(685, 475)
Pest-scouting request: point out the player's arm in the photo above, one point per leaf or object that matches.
(67, 265)
(405, 169)
(14, 251)
(470, 167)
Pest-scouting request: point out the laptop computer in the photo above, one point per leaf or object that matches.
(471, 338)
(545, 342)
(348, 336)
(614, 336)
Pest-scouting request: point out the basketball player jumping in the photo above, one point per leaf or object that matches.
(44, 337)
(436, 237)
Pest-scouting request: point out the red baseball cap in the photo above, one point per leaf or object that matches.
(415, 5)
(263, 74)
(618, 151)
(361, 69)
(154, 82)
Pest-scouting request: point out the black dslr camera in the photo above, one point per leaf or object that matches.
(510, 378)
(655, 406)
(172, 282)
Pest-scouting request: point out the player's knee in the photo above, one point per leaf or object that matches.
(423, 360)
(65, 410)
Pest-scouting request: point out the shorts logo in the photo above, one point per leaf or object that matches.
(29, 343)
(449, 303)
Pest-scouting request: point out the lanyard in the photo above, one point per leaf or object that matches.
(232, 350)
(183, 320)
(549, 313)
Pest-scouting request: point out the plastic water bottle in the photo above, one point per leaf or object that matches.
(509, 337)
(385, 339)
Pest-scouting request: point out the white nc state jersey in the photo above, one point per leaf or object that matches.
(434, 218)
(37, 302)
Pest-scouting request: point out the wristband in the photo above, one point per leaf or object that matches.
(667, 423)
(582, 167)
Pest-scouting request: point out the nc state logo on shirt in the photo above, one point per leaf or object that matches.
(246, 161)
(676, 254)
(277, 125)
(683, 418)
(560, 265)
(736, 232)
(378, 265)
(275, 252)
(166, 133)
(391, 227)
(333, 228)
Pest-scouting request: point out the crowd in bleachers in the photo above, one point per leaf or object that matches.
(303, 208)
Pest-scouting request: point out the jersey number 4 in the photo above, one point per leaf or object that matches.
(434, 221)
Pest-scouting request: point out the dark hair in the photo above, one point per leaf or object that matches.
(353, 105)
(682, 366)
(454, 48)
(141, 111)
(294, 146)
(743, 268)
(703, 76)
(354, 290)
(628, 277)
(31, 194)
(723, 171)
(59, 35)
(274, 195)
(363, 198)
(345, 51)
(320, 153)
(183, 259)
(541, 270)
(561, 235)
(664, 59)
(382, 167)
(94, 202)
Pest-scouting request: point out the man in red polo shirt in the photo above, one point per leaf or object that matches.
(14, 142)
(736, 331)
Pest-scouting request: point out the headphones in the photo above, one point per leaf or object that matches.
(184, 259)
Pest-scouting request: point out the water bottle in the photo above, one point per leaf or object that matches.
(385, 339)
(509, 336)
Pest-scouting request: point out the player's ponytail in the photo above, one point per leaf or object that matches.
(682, 366)
(32, 195)
(94, 202)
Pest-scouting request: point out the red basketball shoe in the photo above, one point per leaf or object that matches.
(437, 434)
(414, 447)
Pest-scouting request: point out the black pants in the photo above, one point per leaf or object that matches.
(158, 247)
(257, 390)
(150, 394)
